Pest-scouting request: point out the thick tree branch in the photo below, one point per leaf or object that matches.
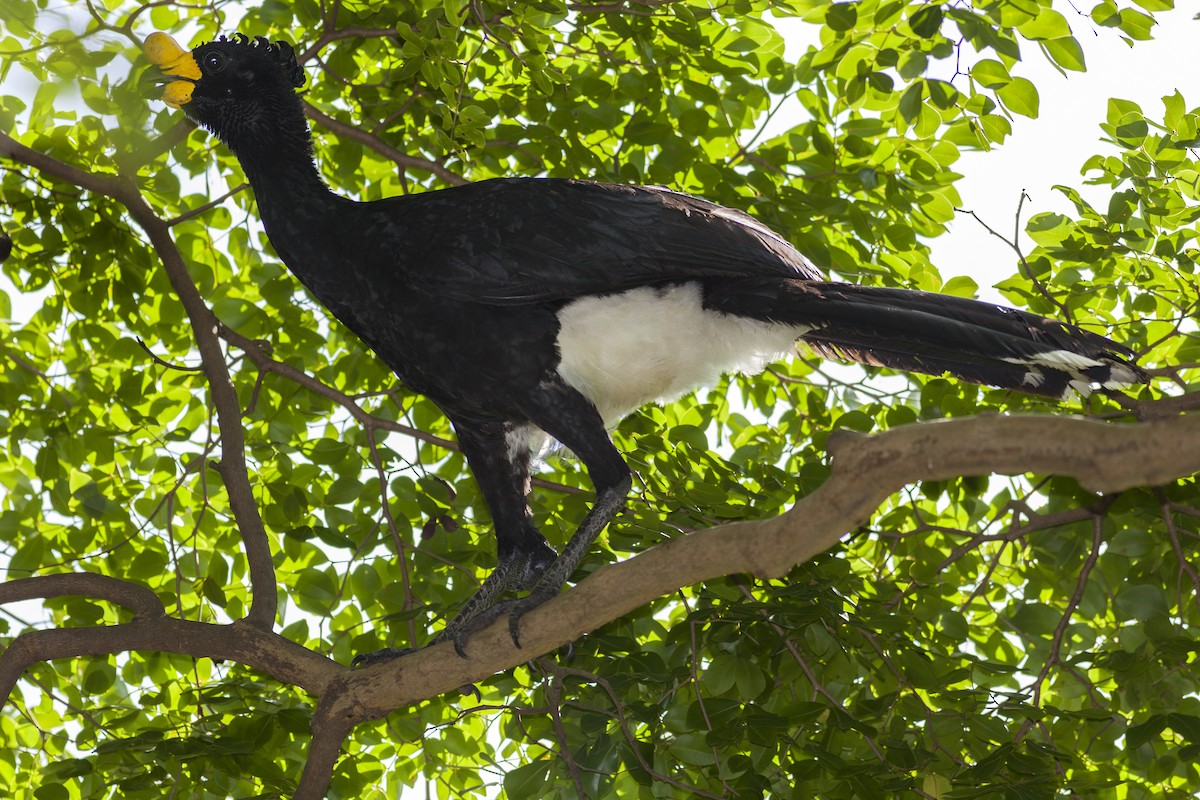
(1103, 457)
(135, 597)
(232, 465)
(323, 754)
(241, 642)
(151, 629)
(1163, 407)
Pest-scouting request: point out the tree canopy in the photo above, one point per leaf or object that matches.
(214, 496)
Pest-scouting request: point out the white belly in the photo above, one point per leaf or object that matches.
(623, 351)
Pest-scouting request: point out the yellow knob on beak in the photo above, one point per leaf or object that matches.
(165, 53)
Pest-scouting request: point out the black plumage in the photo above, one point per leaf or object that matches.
(517, 304)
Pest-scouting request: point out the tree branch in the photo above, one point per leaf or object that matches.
(232, 466)
(135, 597)
(151, 629)
(383, 148)
(866, 470)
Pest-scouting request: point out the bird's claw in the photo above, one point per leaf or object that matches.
(514, 626)
(380, 656)
(387, 654)
(460, 643)
(522, 606)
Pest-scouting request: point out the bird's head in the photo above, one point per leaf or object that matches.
(238, 88)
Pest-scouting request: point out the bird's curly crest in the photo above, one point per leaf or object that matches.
(281, 51)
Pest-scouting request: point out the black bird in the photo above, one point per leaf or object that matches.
(533, 308)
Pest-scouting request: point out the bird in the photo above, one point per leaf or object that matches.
(532, 310)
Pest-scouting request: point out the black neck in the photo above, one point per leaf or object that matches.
(281, 168)
(296, 205)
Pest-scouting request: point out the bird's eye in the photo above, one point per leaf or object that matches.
(214, 61)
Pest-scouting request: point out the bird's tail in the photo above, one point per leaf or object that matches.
(936, 334)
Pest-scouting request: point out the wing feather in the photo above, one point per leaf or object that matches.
(514, 241)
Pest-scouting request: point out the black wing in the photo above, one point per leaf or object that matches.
(513, 241)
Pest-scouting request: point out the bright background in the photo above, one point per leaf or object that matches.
(1039, 154)
(1051, 149)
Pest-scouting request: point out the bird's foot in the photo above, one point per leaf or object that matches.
(380, 656)
(520, 570)
(513, 609)
(387, 654)
(519, 608)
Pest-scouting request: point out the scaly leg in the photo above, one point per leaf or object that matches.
(569, 417)
(501, 467)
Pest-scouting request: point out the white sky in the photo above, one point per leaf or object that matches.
(1051, 149)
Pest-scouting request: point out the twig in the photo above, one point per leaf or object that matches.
(554, 696)
(163, 363)
(383, 148)
(195, 212)
(1185, 566)
(1016, 248)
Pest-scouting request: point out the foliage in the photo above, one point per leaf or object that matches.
(980, 638)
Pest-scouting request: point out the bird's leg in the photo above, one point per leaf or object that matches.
(500, 461)
(569, 417)
(502, 470)
(499, 456)
(609, 503)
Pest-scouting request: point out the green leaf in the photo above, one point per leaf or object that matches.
(990, 73)
(315, 590)
(750, 679)
(1049, 24)
(52, 791)
(1136, 24)
(690, 435)
(28, 558)
(841, 16)
(690, 748)
(1020, 97)
(926, 21)
(529, 780)
(1067, 53)
(1175, 108)
(1036, 619)
(721, 675)
(1131, 130)
(910, 101)
(1139, 735)
(960, 286)
(1119, 110)
(1142, 602)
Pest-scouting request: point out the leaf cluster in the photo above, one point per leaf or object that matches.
(978, 638)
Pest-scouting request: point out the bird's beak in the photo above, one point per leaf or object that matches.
(177, 68)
